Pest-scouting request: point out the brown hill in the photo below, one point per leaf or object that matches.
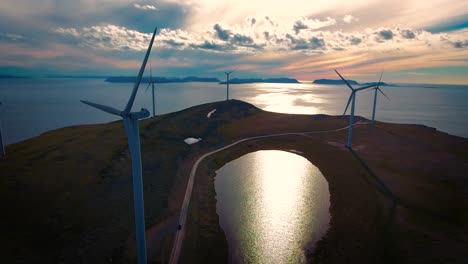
(400, 196)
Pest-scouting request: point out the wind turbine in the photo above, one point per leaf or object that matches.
(2, 146)
(375, 99)
(227, 84)
(130, 120)
(151, 82)
(352, 98)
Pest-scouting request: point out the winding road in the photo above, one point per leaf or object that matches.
(179, 237)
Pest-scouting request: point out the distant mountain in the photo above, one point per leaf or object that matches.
(258, 80)
(124, 79)
(333, 82)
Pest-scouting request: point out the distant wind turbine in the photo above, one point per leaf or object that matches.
(375, 98)
(2, 145)
(130, 120)
(352, 98)
(151, 82)
(227, 84)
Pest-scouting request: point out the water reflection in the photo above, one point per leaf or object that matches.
(272, 205)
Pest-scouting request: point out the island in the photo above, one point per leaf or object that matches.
(259, 80)
(377, 83)
(333, 82)
(132, 79)
(398, 196)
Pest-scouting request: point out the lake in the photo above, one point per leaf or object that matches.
(272, 205)
(33, 106)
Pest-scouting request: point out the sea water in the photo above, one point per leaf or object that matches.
(32, 106)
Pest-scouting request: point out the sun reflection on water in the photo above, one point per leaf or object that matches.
(297, 98)
(271, 205)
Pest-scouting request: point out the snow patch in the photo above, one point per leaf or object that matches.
(210, 113)
(191, 141)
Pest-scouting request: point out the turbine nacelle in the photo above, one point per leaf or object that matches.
(353, 90)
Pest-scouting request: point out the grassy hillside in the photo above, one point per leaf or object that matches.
(67, 197)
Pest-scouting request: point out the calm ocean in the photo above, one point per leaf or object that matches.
(33, 106)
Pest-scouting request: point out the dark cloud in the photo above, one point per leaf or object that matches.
(253, 21)
(355, 40)
(169, 15)
(245, 41)
(317, 43)
(298, 43)
(221, 33)
(298, 26)
(266, 35)
(408, 34)
(70, 13)
(385, 34)
(211, 46)
(460, 44)
(242, 40)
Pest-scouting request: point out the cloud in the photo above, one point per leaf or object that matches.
(349, 18)
(12, 37)
(298, 26)
(207, 45)
(460, 44)
(242, 40)
(145, 7)
(385, 34)
(108, 37)
(355, 40)
(267, 34)
(408, 34)
(173, 43)
(222, 34)
(317, 43)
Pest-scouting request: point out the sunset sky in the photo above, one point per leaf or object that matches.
(412, 40)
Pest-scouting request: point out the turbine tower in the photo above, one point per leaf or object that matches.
(352, 98)
(151, 82)
(375, 98)
(130, 120)
(227, 84)
(2, 145)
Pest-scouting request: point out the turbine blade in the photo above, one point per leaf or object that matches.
(128, 108)
(104, 108)
(365, 87)
(383, 94)
(344, 80)
(148, 86)
(378, 84)
(347, 105)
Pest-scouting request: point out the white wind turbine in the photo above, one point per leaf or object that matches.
(151, 82)
(352, 98)
(2, 145)
(227, 84)
(130, 120)
(375, 98)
